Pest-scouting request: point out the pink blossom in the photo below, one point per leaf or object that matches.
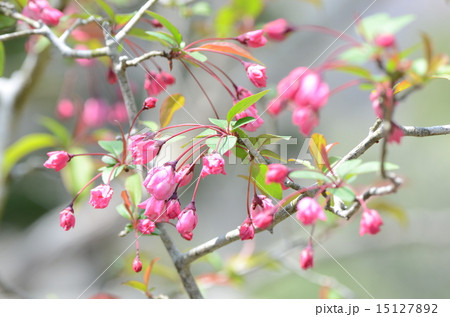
(184, 175)
(312, 91)
(137, 264)
(146, 226)
(150, 102)
(257, 74)
(309, 210)
(385, 40)
(100, 196)
(187, 221)
(275, 106)
(382, 97)
(396, 134)
(276, 173)
(307, 258)
(118, 112)
(306, 119)
(67, 218)
(173, 208)
(252, 39)
(41, 10)
(213, 164)
(242, 92)
(288, 86)
(65, 109)
(370, 222)
(166, 78)
(160, 182)
(157, 82)
(250, 112)
(153, 208)
(57, 160)
(95, 112)
(277, 30)
(156, 23)
(111, 76)
(246, 230)
(262, 211)
(143, 148)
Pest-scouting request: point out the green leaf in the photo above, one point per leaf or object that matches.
(134, 187)
(270, 138)
(25, 146)
(122, 210)
(6, 22)
(226, 143)
(242, 121)
(164, 38)
(122, 19)
(78, 172)
(109, 11)
(152, 125)
(382, 23)
(57, 129)
(243, 104)
(108, 160)
(259, 176)
(347, 167)
(344, 193)
(2, 58)
(111, 172)
(169, 26)
(371, 167)
(355, 70)
(358, 55)
(220, 123)
(198, 56)
(171, 104)
(269, 153)
(114, 147)
(305, 174)
(137, 285)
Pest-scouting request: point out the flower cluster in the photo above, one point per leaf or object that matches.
(42, 10)
(305, 91)
(155, 83)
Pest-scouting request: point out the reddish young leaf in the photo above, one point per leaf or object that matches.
(226, 47)
(148, 271)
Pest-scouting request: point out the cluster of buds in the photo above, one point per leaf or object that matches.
(155, 83)
(42, 10)
(305, 91)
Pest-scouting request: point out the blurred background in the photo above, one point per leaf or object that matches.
(409, 258)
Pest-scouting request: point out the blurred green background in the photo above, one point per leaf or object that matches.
(409, 258)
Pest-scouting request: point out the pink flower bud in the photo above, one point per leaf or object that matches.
(250, 112)
(276, 173)
(152, 85)
(307, 258)
(252, 39)
(41, 10)
(277, 30)
(262, 211)
(184, 175)
(288, 86)
(153, 208)
(137, 264)
(213, 164)
(242, 92)
(166, 78)
(160, 182)
(257, 74)
(396, 134)
(51, 16)
(95, 112)
(309, 210)
(146, 226)
(385, 40)
(275, 106)
(111, 76)
(150, 102)
(65, 109)
(156, 23)
(246, 230)
(67, 218)
(173, 208)
(143, 148)
(306, 119)
(57, 160)
(187, 221)
(312, 91)
(100, 196)
(370, 222)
